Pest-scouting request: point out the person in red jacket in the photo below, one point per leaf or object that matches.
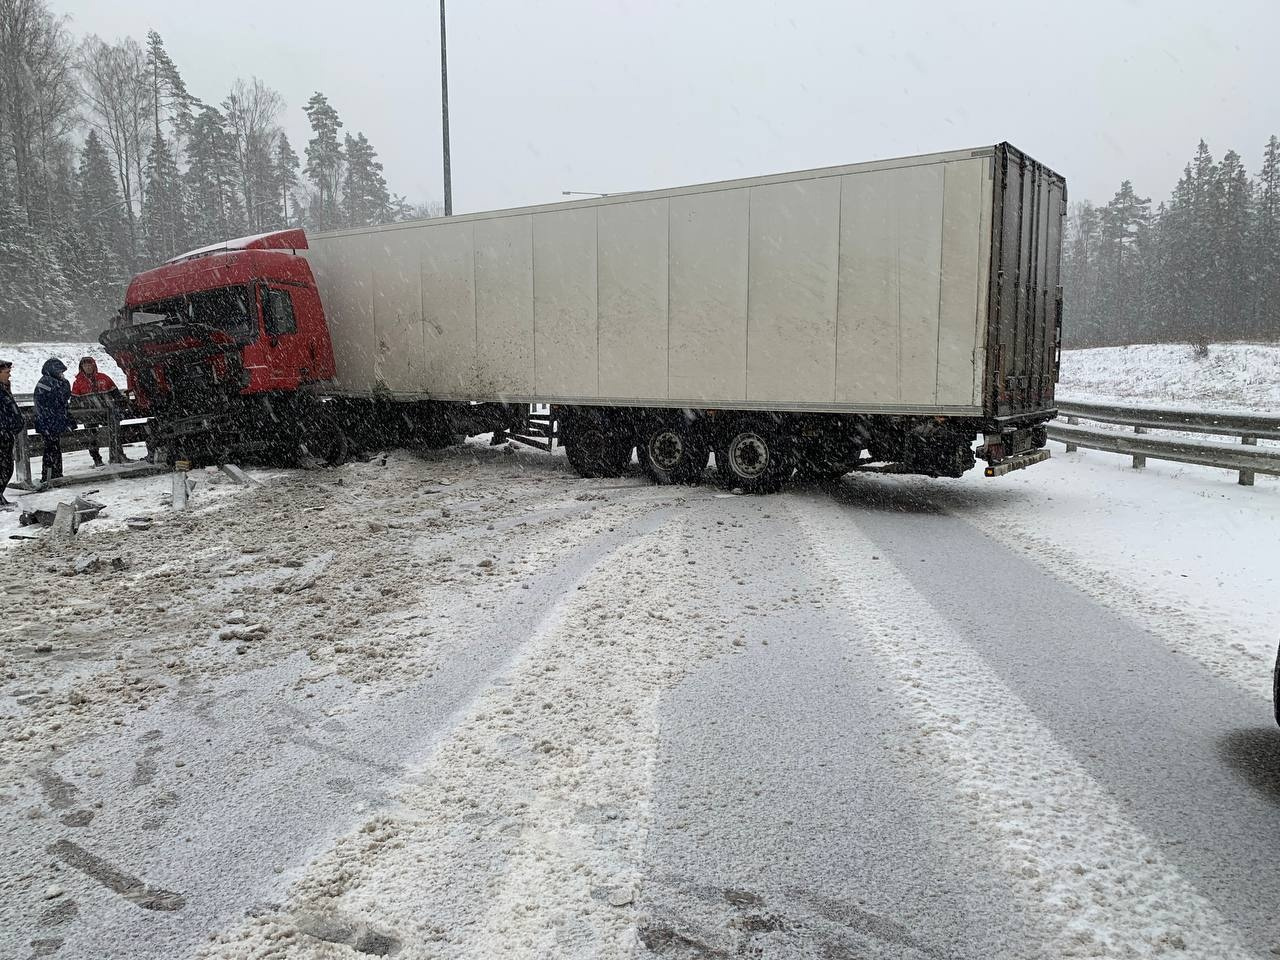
(102, 391)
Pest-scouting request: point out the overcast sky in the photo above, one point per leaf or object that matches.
(610, 95)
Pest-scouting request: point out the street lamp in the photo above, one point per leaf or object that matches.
(582, 193)
(444, 116)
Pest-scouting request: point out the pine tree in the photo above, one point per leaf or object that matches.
(365, 200)
(1123, 223)
(285, 178)
(1181, 250)
(211, 176)
(324, 161)
(170, 101)
(99, 207)
(1079, 269)
(1266, 246)
(163, 212)
(96, 248)
(1234, 277)
(35, 300)
(1206, 201)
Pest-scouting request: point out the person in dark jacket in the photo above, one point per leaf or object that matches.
(10, 424)
(53, 394)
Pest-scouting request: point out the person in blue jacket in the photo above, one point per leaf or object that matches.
(53, 394)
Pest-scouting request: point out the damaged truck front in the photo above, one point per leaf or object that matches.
(228, 352)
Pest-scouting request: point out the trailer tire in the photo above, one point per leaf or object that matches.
(1275, 687)
(595, 451)
(672, 451)
(753, 455)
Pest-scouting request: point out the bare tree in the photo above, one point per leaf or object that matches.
(38, 99)
(118, 94)
(253, 111)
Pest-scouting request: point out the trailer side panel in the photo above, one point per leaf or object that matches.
(852, 289)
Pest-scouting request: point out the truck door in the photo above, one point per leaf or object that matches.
(290, 363)
(1025, 313)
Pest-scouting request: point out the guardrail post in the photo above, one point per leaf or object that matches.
(1246, 476)
(1139, 460)
(1072, 421)
(22, 458)
(181, 492)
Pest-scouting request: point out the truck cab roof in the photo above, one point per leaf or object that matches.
(268, 256)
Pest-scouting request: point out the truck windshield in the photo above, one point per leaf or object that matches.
(226, 308)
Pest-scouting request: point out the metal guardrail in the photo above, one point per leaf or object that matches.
(107, 427)
(1244, 457)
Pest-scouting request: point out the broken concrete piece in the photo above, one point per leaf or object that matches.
(236, 474)
(65, 522)
(621, 897)
(43, 509)
(235, 631)
(87, 563)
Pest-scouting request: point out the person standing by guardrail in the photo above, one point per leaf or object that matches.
(97, 390)
(53, 394)
(10, 423)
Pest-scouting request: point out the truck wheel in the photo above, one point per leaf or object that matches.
(753, 455)
(332, 448)
(1275, 687)
(672, 452)
(595, 451)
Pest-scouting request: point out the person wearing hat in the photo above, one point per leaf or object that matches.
(10, 424)
(53, 394)
(95, 389)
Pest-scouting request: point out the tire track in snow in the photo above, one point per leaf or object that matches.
(524, 836)
(1183, 631)
(1097, 881)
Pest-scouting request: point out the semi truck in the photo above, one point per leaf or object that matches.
(896, 313)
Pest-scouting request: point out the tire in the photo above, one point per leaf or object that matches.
(332, 448)
(323, 438)
(672, 451)
(595, 451)
(817, 464)
(753, 455)
(1275, 687)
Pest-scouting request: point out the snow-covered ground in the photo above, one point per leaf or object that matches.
(1234, 376)
(28, 358)
(421, 703)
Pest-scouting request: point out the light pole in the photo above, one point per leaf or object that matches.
(444, 116)
(582, 193)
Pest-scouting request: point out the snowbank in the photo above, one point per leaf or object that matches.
(1241, 376)
(28, 358)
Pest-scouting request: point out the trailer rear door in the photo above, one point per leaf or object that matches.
(1024, 318)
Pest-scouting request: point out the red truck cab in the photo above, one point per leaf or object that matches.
(253, 293)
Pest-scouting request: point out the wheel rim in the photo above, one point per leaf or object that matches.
(666, 449)
(749, 455)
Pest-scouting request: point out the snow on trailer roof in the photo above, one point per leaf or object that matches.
(275, 240)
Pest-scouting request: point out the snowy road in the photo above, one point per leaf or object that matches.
(495, 710)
